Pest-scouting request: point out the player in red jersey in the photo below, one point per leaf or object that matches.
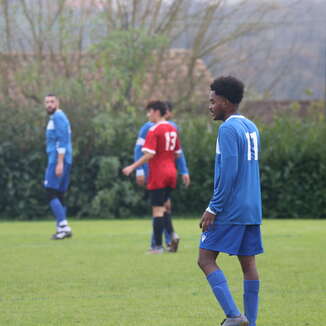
(161, 147)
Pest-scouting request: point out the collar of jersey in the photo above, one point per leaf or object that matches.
(157, 124)
(161, 122)
(235, 116)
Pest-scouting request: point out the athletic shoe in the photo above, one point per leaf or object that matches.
(168, 248)
(61, 235)
(155, 251)
(175, 243)
(236, 321)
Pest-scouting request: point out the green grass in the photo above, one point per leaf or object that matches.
(102, 276)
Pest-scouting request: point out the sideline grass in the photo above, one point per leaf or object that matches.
(102, 276)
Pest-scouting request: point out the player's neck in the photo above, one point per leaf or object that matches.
(158, 120)
(229, 114)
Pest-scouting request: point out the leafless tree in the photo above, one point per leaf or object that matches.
(50, 40)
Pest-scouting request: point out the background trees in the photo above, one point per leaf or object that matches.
(106, 58)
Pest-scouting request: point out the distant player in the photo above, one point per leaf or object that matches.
(160, 149)
(172, 240)
(59, 150)
(231, 223)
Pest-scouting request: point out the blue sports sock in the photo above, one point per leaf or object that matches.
(222, 293)
(58, 210)
(250, 300)
(168, 237)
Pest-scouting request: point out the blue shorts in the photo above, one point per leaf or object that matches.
(233, 239)
(58, 183)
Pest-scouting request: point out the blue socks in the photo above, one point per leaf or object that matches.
(58, 210)
(250, 300)
(222, 293)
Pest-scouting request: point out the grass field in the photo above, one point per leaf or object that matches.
(102, 276)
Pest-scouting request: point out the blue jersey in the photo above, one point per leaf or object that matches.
(58, 137)
(143, 170)
(237, 196)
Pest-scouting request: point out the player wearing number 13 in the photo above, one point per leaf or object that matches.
(231, 223)
(160, 150)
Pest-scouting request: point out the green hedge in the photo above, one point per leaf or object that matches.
(293, 166)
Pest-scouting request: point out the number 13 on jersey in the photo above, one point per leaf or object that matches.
(170, 140)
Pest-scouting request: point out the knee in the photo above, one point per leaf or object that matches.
(203, 263)
(52, 194)
(167, 206)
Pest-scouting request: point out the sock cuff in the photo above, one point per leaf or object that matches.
(216, 277)
(251, 285)
(63, 223)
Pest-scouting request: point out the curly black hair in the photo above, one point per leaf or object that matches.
(229, 87)
(157, 106)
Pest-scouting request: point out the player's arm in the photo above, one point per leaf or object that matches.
(181, 161)
(144, 159)
(62, 137)
(140, 171)
(182, 164)
(183, 168)
(138, 146)
(149, 150)
(228, 172)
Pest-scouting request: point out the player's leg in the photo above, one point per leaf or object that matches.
(158, 227)
(56, 205)
(174, 237)
(153, 244)
(251, 286)
(168, 227)
(221, 238)
(251, 246)
(63, 229)
(64, 184)
(218, 282)
(54, 186)
(158, 210)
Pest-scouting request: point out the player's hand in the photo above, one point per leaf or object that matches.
(206, 220)
(140, 180)
(59, 169)
(186, 180)
(127, 170)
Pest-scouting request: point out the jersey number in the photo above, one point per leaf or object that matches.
(170, 140)
(252, 141)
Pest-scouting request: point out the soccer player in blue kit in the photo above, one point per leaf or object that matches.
(57, 175)
(231, 223)
(171, 238)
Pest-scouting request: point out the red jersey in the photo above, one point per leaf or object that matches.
(163, 141)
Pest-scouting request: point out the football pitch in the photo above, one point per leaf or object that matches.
(102, 276)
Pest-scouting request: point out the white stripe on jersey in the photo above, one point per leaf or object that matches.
(235, 116)
(140, 172)
(140, 141)
(217, 147)
(144, 149)
(50, 125)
